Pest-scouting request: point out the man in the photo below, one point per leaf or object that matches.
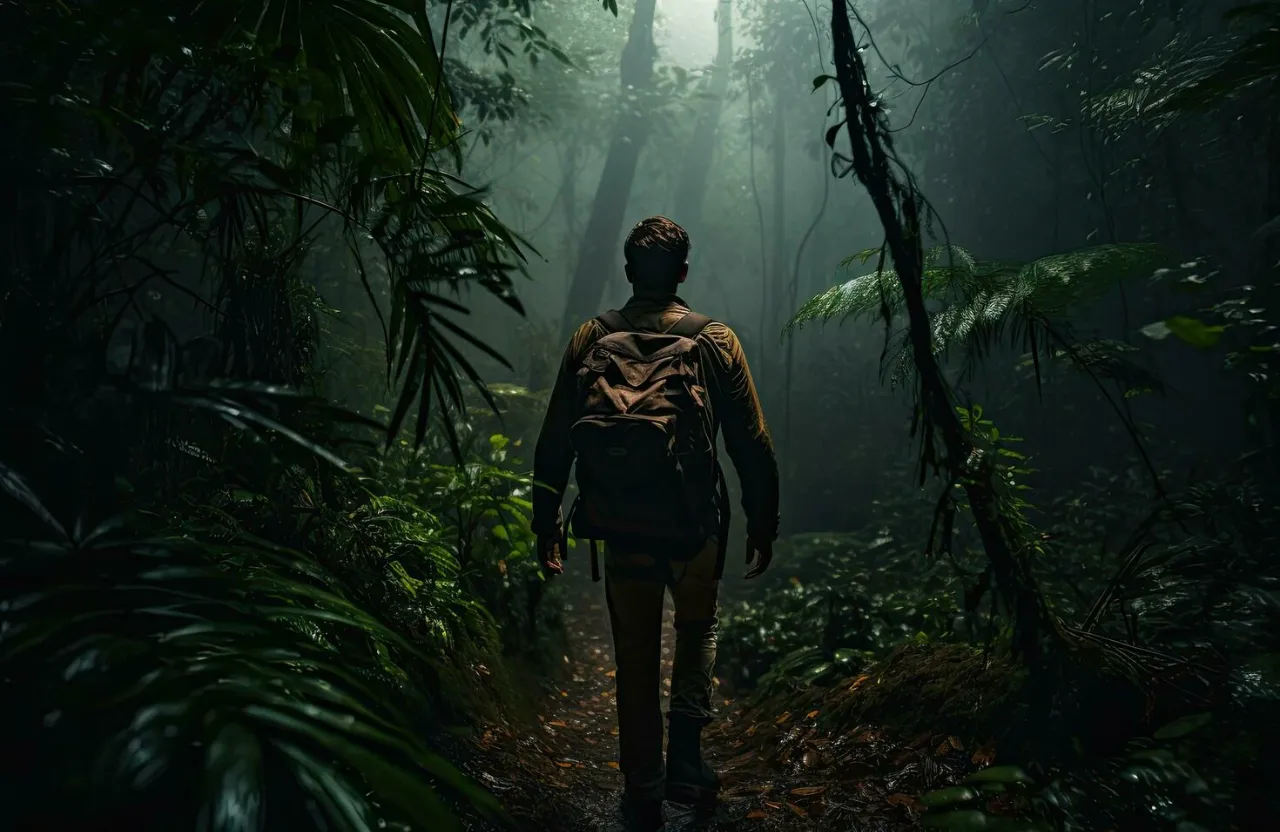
(641, 395)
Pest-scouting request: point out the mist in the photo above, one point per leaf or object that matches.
(992, 114)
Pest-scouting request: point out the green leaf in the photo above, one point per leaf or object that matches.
(1194, 332)
(832, 132)
(945, 797)
(1158, 330)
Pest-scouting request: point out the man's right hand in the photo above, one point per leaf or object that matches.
(550, 553)
(761, 554)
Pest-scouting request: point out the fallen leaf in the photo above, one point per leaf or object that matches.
(808, 791)
(900, 799)
(782, 719)
(559, 723)
(811, 715)
(984, 756)
(756, 814)
(611, 673)
(797, 810)
(564, 764)
(612, 764)
(858, 682)
(772, 805)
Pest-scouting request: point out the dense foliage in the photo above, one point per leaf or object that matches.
(224, 604)
(267, 560)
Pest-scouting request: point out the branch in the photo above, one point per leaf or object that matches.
(898, 205)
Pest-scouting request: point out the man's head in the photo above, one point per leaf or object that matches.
(657, 252)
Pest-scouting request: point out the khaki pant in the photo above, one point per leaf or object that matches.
(635, 585)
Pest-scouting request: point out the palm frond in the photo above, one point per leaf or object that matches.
(1249, 61)
(211, 676)
(238, 129)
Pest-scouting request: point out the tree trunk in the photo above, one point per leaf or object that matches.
(691, 191)
(778, 265)
(774, 283)
(897, 204)
(569, 197)
(598, 258)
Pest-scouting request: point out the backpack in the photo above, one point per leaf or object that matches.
(645, 443)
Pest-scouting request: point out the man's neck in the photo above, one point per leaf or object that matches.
(655, 296)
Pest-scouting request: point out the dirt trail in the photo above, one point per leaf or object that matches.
(781, 769)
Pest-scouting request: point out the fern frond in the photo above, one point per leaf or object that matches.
(860, 296)
(985, 303)
(874, 293)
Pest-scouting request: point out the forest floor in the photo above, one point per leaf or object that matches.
(781, 769)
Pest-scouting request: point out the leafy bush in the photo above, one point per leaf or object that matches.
(833, 604)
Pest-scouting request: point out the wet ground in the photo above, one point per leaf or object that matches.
(784, 767)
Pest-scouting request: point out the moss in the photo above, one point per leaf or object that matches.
(938, 688)
(949, 688)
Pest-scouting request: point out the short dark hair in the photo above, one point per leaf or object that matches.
(655, 250)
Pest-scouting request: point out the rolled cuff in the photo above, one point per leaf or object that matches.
(548, 519)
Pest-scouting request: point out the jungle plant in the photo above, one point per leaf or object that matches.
(185, 638)
(486, 509)
(186, 669)
(865, 594)
(980, 306)
(173, 143)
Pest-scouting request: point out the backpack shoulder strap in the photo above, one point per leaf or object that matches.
(614, 321)
(690, 326)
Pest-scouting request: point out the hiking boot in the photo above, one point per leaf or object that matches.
(690, 781)
(643, 814)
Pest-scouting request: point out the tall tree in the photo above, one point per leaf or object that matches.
(596, 262)
(947, 444)
(778, 263)
(692, 189)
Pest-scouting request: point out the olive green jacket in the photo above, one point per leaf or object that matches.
(735, 408)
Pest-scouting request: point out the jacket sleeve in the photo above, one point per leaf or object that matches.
(746, 435)
(553, 456)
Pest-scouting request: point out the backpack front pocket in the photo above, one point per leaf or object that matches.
(630, 477)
